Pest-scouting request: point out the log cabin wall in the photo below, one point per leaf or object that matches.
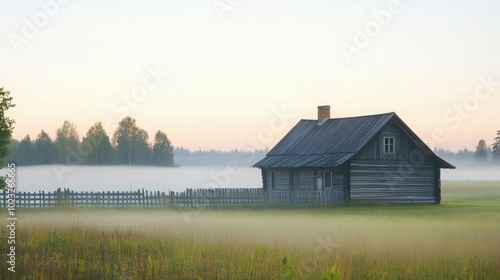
(407, 175)
(303, 179)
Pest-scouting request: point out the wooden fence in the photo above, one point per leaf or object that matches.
(189, 198)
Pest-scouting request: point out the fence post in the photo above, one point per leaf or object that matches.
(191, 197)
(123, 198)
(141, 198)
(137, 198)
(154, 197)
(157, 198)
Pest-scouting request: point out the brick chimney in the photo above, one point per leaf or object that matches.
(323, 114)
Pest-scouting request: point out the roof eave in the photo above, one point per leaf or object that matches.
(444, 164)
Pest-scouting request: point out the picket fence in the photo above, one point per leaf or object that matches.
(155, 199)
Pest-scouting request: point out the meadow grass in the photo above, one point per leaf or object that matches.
(459, 239)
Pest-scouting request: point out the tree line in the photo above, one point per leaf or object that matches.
(6, 128)
(129, 145)
(185, 157)
(483, 151)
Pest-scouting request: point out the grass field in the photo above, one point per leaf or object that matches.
(459, 239)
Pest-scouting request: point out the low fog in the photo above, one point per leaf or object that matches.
(128, 178)
(470, 169)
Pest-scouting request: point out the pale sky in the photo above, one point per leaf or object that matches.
(83, 61)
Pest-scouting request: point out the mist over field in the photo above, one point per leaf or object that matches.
(469, 169)
(458, 239)
(129, 178)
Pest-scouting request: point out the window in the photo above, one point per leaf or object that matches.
(327, 179)
(389, 145)
(272, 180)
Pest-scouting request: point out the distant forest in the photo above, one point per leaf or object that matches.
(461, 154)
(129, 145)
(482, 153)
(186, 157)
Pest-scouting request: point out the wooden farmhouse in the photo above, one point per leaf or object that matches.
(368, 158)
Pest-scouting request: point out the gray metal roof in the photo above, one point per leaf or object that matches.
(331, 144)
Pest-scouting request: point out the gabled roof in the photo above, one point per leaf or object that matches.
(333, 143)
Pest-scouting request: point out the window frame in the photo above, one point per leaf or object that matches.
(387, 145)
(325, 180)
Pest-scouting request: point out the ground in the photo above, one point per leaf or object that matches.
(459, 239)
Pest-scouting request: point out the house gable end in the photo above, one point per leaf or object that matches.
(408, 146)
(403, 147)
